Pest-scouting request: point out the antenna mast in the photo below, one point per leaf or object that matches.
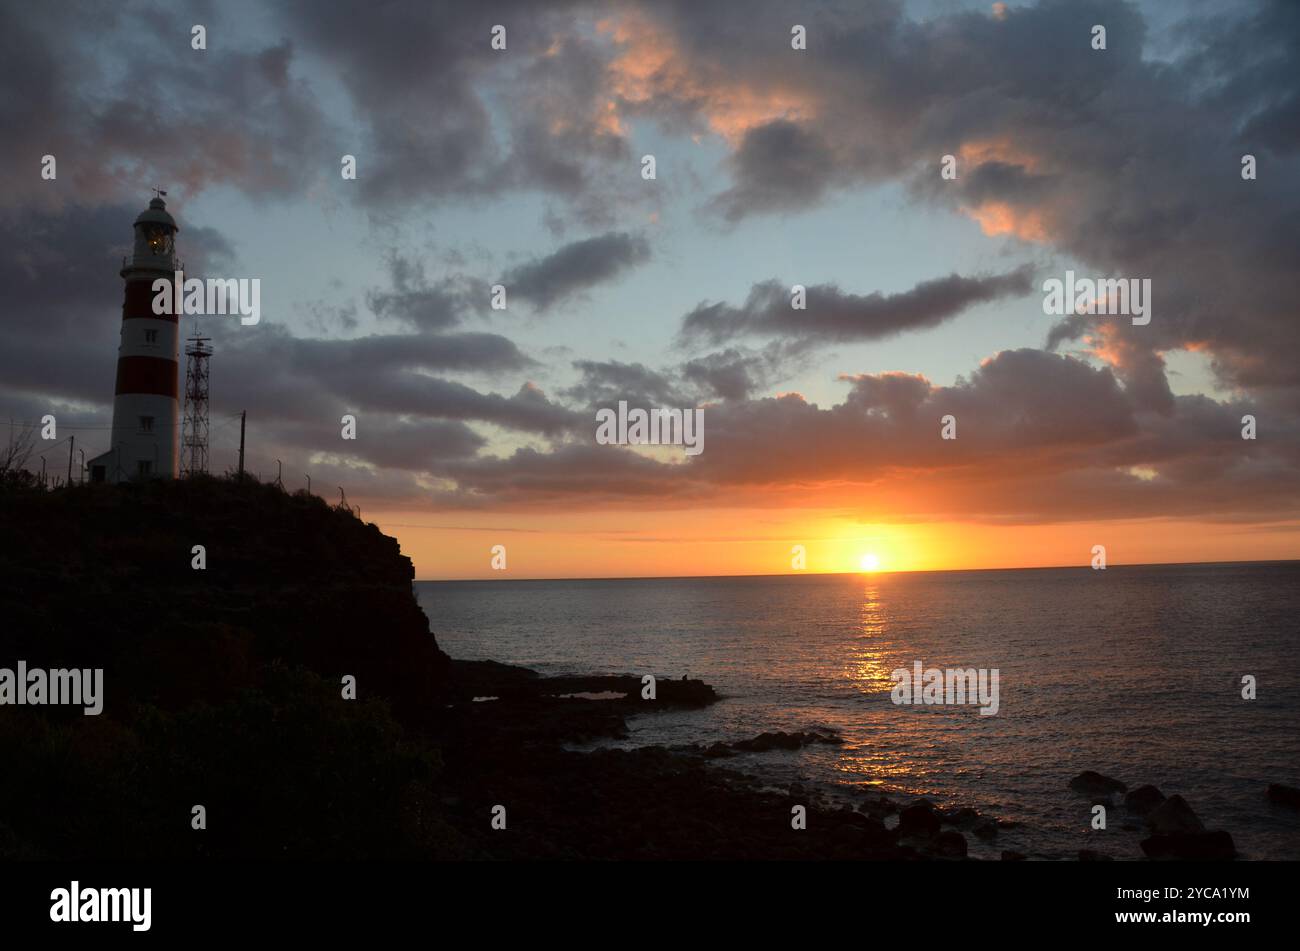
(194, 459)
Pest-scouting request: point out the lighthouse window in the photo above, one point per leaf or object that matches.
(146, 467)
(151, 336)
(146, 424)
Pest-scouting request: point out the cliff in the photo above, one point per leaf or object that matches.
(221, 686)
(103, 576)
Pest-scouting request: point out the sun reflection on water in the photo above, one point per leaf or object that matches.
(870, 655)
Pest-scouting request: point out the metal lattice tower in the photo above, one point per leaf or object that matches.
(194, 438)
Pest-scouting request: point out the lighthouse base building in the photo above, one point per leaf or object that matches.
(145, 408)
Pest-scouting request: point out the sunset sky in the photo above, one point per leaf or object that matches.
(775, 167)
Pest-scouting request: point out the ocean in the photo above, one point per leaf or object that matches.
(1135, 672)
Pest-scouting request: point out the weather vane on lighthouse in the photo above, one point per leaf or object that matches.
(158, 192)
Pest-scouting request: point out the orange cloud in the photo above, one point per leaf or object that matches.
(999, 217)
(1107, 342)
(980, 151)
(650, 67)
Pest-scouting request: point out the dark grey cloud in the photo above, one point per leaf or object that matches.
(731, 374)
(738, 373)
(448, 119)
(779, 166)
(417, 303)
(233, 113)
(385, 441)
(606, 382)
(598, 474)
(834, 315)
(304, 379)
(727, 374)
(443, 117)
(576, 267)
(1038, 435)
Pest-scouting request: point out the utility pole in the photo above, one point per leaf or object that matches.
(242, 413)
(72, 441)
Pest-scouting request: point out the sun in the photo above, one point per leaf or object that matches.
(869, 562)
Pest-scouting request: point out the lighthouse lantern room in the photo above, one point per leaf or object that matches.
(145, 410)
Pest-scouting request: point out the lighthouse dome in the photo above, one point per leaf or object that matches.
(157, 213)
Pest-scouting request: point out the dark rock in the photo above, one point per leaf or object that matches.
(1088, 855)
(949, 845)
(965, 816)
(778, 740)
(1287, 796)
(1174, 815)
(1090, 783)
(879, 806)
(1143, 799)
(985, 829)
(1194, 846)
(769, 741)
(1011, 856)
(870, 823)
(919, 819)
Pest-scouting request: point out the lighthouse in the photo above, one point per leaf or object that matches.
(145, 411)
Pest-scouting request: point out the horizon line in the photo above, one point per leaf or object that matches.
(913, 571)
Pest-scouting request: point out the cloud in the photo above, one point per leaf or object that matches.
(727, 374)
(606, 382)
(737, 373)
(418, 304)
(1040, 438)
(576, 267)
(779, 166)
(304, 379)
(413, 301)
(833, 315)
(446, 118)
(155, 111)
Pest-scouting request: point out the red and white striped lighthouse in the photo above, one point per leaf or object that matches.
(145, 411)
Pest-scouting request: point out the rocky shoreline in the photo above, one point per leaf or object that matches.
(652, 802)
(507, 744)
(648, 803)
